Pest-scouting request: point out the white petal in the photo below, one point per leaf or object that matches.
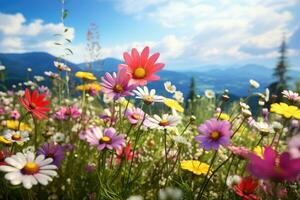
(39, 159)
(30, 157)
(45, 162)
(42, 179)
(13, 175)
(13, 162)
(48, 167)
(48, 172)
(5, 168)
(26, 180)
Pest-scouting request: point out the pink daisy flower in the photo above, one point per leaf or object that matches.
(134, 115)
(117, 86)
(141, 66)
(104, 139)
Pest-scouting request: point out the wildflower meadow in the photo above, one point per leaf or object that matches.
(116, 138)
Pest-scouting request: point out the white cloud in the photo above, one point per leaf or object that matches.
(17, 36)
(220, 30)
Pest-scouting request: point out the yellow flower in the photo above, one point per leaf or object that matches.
(85, 75)
(94, 86)
(259, 151)
(14, 124)
(195, 166)
(4, 141)
(223, 116)
(173, 104)
(285, 110)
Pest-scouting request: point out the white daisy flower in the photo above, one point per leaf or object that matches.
(170, 193)
(290, 95)
(210, 94)
(29, 69)
(147, 96)
(16, 136)
(39, 78)
(28, 170)
(244, 106)
(58, 137)
(233, 180)
(164, 122)
(254, 83)
(169, 87)
(181, 140)
(178, 96)
(263, 127)
(61, 66)
(51, 74)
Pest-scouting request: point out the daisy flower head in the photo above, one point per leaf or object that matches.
(54, 151)
(141, 67)
(253, 83)
(62, 66)
(290, 95)
(210, 94)
(85, 76)
(51, 75)
(147, 96)
(16, 136)
(169, 87)
(233, 181)
(178, 96)
(117, 85)
(195, 166)
(104, 139)
(35, 104)
(285, 110)
(28, 169)
(134, 115)
(164, 122)
(214, 133)
(246, 188)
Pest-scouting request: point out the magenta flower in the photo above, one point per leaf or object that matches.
(214, 133)
(117, 86)
(134, 115)
(274, 166)
(15, 115)
(65, 113)
(54, 151)
(107, 139)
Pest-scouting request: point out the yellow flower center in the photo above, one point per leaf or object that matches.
(215, 135)
(105, 140)
(135, 116)
(30, 168)
(164, 122)
(139, 73)
(16, 137)
(118, 88)
(148, 99)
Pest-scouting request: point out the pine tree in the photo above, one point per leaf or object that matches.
(280, 73)
(192, 92)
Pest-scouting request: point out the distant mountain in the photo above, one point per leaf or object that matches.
(217, 78)
(17, 63)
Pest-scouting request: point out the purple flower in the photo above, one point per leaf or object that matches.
(54, 151)
(117, 86)
(274, 166)
(213, 134)
(134, 115)
(108, 116)
(90, 168)
(107, 139)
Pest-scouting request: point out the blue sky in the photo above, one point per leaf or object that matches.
(187, 33)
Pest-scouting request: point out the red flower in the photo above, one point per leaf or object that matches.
(141, 67)
(35, 104)
(126, 153)
(4, 154)
(246, 188)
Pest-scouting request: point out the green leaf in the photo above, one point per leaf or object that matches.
(68, 40)
(65, 14)
(69, 50)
